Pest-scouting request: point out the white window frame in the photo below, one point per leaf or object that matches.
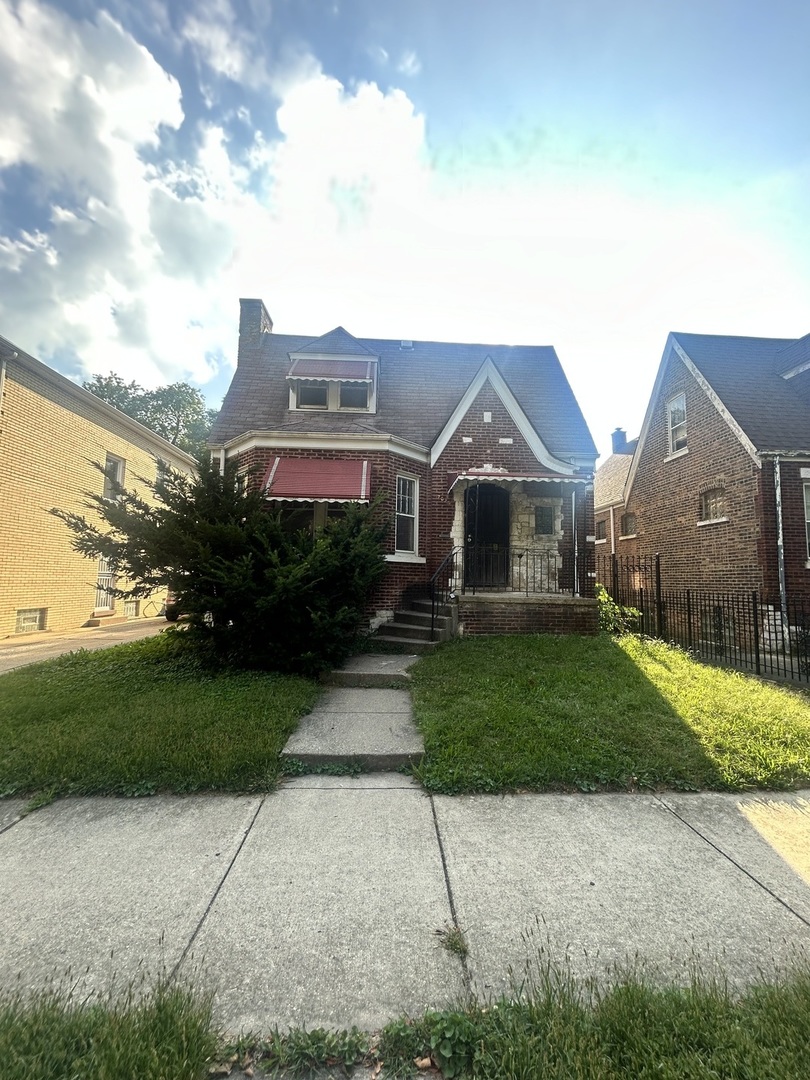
(414, 480)
(676, 403)
(332, 397)
(114, 468)
(807, 519)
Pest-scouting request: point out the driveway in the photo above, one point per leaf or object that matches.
(30, 649)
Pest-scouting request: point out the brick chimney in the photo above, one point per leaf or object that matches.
(254, 322)
(619, 438)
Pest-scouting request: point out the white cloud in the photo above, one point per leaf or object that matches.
(346, 218)
(409, 63)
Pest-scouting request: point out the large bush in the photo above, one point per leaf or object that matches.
(254, 594)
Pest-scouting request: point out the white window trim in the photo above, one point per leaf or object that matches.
(712, 521)
(806, 494)
(602, 541)
(332, 397)
(628, 536)
(678, 453)
(412, 553)
(679, 400)
(406, 557)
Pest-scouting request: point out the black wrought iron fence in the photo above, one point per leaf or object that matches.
(745, 631)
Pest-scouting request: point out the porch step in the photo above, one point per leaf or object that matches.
(403, 644)
(106, 620)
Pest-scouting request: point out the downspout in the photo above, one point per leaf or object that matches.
(574, 530)
(780, 539)
(612, 532)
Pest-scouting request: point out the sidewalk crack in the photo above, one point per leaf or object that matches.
(215, 894)
(465, 970)
(733, 862)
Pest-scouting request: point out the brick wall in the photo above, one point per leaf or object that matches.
(666, 497)
(797, 573)
(528, 615)
(48, 439)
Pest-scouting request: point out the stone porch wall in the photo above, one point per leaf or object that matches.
(514, 614)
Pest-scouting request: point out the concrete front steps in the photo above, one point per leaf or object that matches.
(409, 631)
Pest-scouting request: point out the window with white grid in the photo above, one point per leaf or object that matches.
(407, 507)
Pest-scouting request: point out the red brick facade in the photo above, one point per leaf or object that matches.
(734, 553)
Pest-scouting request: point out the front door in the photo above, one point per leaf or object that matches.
(486, 522)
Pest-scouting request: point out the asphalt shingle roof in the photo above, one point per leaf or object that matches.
(745, 374)
(609, 480)
(418, 389)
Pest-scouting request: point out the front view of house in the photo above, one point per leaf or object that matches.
(479, 453)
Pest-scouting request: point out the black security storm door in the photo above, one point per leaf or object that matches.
(486, 519)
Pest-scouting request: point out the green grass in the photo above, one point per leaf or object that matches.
(141, 718)
(164, 1034)
(561, 713)
(631, 1028)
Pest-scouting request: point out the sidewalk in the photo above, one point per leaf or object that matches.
(318, 904)
(26, 649)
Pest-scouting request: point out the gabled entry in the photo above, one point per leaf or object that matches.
(486, 536)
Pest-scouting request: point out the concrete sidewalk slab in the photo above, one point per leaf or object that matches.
(28, 649)
(370, 728)
(768, 835)
(111, 887)
(599, 879)
(328, 916)
(10, 810)
(357, 700)
(374, 669)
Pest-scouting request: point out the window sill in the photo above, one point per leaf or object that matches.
(602, 541)
(629, 536)
(677, 454)
(712, 521)
(406, 557)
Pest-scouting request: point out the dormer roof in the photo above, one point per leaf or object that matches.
(337, 342)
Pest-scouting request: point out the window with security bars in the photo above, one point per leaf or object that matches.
(676, 413)
(31, 619)
(712, 504)
(132, 608)
(406, 514)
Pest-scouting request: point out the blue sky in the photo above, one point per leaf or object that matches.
(585, 174)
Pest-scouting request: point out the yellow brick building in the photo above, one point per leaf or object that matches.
(51, 431)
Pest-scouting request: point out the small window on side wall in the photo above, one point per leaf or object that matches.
(676, 415)
(807, 516)
(713, 504)
(601, 530)
(113, 475)
(628, 524)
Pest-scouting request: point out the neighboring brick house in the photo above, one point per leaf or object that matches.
(478, 449)
(608, 493)
(719, 483)
(50, 433)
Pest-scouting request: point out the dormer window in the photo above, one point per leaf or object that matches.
(313, 395)
(353, 396)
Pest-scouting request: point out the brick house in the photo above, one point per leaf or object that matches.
(479, 452)
(719, 482)
(50, 433)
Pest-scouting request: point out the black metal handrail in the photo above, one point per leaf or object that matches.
(531, 571)
(439, 594)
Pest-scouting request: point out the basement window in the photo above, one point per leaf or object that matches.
(29, 620)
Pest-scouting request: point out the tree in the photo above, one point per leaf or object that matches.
(176, 412)
(254, 595)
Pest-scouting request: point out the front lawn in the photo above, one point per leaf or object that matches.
(545, 713)
(141, 718)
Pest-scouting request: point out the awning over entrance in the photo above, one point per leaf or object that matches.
(360, 371)
(477, 476)
(306, 480)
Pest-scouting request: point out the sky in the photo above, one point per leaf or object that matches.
(578, 173)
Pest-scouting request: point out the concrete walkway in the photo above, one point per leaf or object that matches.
(24, 649)
(319, 904)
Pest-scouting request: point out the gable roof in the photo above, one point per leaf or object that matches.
(418, 389)
(746, 375)
(337, 342)
(609, 480)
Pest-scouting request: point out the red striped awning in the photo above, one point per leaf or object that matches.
(333, 370)
(308, 480)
